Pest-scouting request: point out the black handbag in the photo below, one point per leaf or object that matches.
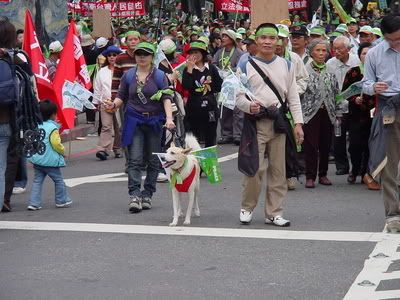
(248, 160)
(281, 121)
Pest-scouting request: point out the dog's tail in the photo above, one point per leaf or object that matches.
(191, 142)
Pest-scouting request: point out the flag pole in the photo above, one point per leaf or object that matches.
(159, 20)
(320, 13)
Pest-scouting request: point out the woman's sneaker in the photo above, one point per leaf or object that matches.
(135, 204)
(146, 203)
(66, 204)
(277, 221)
(33, 207)
(245, 216)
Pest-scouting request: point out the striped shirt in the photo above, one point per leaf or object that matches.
(123, 63)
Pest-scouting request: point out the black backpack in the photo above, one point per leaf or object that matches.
(17, 92)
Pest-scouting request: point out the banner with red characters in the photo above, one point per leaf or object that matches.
(119, 9)
(240, 6)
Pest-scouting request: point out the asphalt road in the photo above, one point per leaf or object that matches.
(334, 231)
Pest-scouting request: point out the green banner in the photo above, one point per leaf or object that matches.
(208, 160)
(180, 69)
(344, 17)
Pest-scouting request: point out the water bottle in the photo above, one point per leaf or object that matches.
(338, 128)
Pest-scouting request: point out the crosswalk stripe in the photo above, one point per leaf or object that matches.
(341, 236)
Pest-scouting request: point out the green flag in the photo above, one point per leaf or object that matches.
(352, 90)
(208, 160)
(180, 69)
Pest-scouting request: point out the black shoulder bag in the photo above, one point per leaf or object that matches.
(282, 125)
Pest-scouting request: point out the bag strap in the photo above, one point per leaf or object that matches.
(268, 82)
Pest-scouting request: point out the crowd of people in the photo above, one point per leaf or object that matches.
(137, 101)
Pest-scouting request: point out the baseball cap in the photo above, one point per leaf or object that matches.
(55, 47)
(167, 46)
(366, 29)
(101, 42)
(198, 45)
(241, 30)
(299, 30)
(377, 31)
(352, 20)
(250, 40)
(317, 30)
(342, 28)
(146, 47)
(283, 30)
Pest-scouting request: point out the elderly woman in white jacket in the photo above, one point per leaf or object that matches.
(102, 91)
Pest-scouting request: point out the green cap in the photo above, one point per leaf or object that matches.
(241, 30)
(204, 39)
(366, 29)
(377, 31)
(335, 34)
(317, 30)
(283, 30)
(342, 28)
(147, 47)
(198, 45)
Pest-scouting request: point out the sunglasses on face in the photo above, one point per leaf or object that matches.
(112, 55)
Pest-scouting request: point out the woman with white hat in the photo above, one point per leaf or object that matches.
(102, 91)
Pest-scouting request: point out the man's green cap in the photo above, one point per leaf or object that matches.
(283, 30)
(352, 20)
(377, 31)
(342, 28)
(241, 30)
(317, 30)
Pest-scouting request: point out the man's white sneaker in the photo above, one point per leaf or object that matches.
(162, 177)
(245, 216)
(277, 221)
(32, 207)
(66, 204)
(18, 190)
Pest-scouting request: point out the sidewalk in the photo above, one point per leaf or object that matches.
(81, 129)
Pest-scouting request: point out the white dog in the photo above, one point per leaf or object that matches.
(185, 177)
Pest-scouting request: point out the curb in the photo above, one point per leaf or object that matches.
(78, 131)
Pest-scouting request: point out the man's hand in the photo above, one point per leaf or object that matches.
(299, 134)
(169, 124)
(359, 100)
(254, 107)
(380, 87)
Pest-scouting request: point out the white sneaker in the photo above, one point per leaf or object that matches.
(18, 190)
(66, 204)
(245, 216)
(291, 183)
(32, 207)
(162, 177)
(277, 221)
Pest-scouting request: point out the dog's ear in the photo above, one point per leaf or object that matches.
(172, 144)
(187, 150)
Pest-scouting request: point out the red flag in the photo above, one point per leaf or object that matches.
(72, 67)
(32, 48)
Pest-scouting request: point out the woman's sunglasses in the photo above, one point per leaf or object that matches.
(112, 55)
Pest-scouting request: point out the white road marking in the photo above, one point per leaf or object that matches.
(374, 271)
(116, 177)
(340, 236)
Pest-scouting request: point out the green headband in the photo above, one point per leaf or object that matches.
(132, 32)
(270, 31)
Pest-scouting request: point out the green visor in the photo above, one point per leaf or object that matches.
(198, 45)
(147, 47)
